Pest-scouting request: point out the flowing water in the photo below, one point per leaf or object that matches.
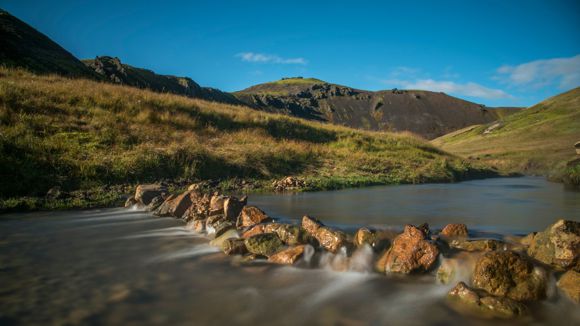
(118, 266)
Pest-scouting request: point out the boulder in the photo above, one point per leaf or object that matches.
(223, 226)
(558, 246)
(364, 236)
(507, 274)
(233, 207)
(569, 283)
(311, 224)
(154, 204)
(256, 229)
(466, 299)
(234, 246)
(144, 194)
(288, 256)
(265, 244)
(252, 215)
(331, 240)
(199, 210)
(216, 203)
(198, 225)
(476, 245)
(527, 240)
(410, 252)
(175, 206)
(130, 202)
(219, 240)
(454, 230)
(165, 209)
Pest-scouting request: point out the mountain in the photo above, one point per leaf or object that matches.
(112, 70)
(537, 140)
(92, 137)
(23, 46)
(425, 113)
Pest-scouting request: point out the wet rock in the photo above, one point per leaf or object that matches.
(155, 203)
(144, 194)
(223, 226)
(233, 207)
(459, 267)
(410, 252)
(216, 203)
(364, 236)
(199, 210)
(220, 240)
(175, 206)
(481, 304)
(198, 225)
(311, 224)
(256, 229)
(477, 245)
(507, 274)
(425, 228)
(251, 216)
(234, 246)
(288, 256)
(558, 245)
(527, 240)
(569, 283)
(130, 202)
(164, 209)
(265, 244)
(331, 240)
(454, 230)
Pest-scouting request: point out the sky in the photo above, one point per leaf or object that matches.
(497, 53)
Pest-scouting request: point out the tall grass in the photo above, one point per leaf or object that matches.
(81, 134)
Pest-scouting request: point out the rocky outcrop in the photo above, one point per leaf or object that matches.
(265, 244)
(288, 183)
(331, 240)
(454, 230)
(288, 256)
(175, 206)
(144, 194)
(558, 246)
(364, 236)
(310, 224)
(410, 252)
(569, 283)
(481, 304)
(508, 274)
(251, 216)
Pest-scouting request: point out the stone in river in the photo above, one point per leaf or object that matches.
(234, 246)
(251, 216)
(265, 244)
(311, 224)
(481, 304)
(454, 230)
(569, 283)
(233, 207)
(508, 274)
(558, 246)
(331, 240)
(288, 256)
(145, 193)
(476, 245)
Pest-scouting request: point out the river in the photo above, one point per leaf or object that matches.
(126, 267)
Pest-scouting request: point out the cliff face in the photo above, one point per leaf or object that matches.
(425, 113)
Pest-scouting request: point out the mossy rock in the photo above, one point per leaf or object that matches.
(265, 244)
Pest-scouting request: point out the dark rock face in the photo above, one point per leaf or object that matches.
(484, 305)
(507, 274)
(558, 246)
(410, 252)
(144, 194)
(116, 72)
(428, 114)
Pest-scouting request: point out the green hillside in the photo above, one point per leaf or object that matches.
(538, 140)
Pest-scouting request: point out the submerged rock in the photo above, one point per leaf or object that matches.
(410, 252)
(466, 299)
(288, 256)
(311, 224)
(252, 215)
(454, 230)
(558, 245)
(476, 245)
(234, 246)
(144, 194)
(265, 244)
(507, 274)
(569, 283)
(220, 240)
(364, 236)
(331, 240)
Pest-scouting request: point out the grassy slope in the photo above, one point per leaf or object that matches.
(80, 134)
(538, 140)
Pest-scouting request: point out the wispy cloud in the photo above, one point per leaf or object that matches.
(565, 72)
(463, 89)
(269, 58)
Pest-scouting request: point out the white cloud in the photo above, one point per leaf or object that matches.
(562, 71)
(466, 89)
(268, 58)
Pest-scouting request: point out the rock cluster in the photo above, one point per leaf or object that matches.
(505, 276)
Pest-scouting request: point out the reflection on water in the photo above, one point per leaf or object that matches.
(117, 266)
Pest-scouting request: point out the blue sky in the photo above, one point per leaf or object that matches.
(511, 53)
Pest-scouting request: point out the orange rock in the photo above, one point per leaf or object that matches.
(410, 252)
(329, 239)
(454, 230)
(288, 256)
(310, 224)
(251, 216)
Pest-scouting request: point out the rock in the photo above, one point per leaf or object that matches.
(220, 240)
(507, 274)
(569, 283)
(331, 240)
(481, 304)
(425, 228)
(476, 245)
(234, 246)
(458, 267)
(165, 208)
(527, 240)
(410, 252)
(265, 244)
(144, 194)
(288, 183)
(256, 229)
(364, 236)
(130, 202)
(198, 225)
(223, 226)
(288, 256)
(199, 210)
(154, 204)
(310, 224)
(454, 230)
(251, 216)
(216, 203)
(175, 206)
(558, 246)
(288, 233)
(233, 207)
